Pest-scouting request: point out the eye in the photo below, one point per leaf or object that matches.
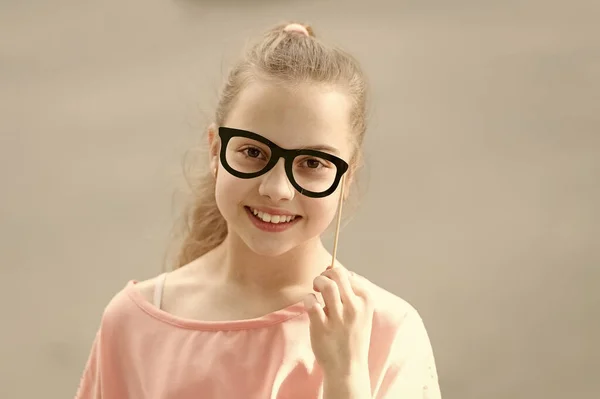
(252, 152)
(313, 163)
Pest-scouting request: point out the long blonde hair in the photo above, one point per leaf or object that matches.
(285, 57)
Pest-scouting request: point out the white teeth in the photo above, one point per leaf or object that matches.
(275, 219)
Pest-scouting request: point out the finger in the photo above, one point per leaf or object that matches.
(341, 276)
(361, 289)
(315, 312)
(331, 296)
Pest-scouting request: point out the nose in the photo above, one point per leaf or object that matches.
(275, 184)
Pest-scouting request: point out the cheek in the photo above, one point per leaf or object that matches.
(229, 191)
(322, 210)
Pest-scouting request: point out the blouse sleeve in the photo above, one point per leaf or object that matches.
(90, 383)
(410, 372)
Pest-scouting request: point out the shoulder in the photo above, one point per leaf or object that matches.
(399, 335)
(390, 306)
(401, 349)
(146, 288)
(394, 316)
(129, 305)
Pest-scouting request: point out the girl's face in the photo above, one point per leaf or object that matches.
(306, 116)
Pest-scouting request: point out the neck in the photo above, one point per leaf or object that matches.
(238, 265)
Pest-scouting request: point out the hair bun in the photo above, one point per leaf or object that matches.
(299, 28)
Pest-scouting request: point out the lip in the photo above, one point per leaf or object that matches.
(273, 211)
(270, 227)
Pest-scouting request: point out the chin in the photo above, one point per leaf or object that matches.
(271, 249)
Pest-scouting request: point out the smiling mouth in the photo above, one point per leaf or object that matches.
(273, 219)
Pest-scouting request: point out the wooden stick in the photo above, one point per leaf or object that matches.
(339, 220)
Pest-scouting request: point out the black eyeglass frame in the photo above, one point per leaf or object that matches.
(227, 133)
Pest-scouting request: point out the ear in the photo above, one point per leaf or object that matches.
(348, 179)
(213, 147)
(350, 176)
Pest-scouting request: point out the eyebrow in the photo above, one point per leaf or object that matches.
(322, 147)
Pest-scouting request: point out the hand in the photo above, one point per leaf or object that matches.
(340, 332)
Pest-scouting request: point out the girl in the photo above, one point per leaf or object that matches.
(253, 310)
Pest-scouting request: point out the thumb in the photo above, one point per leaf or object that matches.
(314, 310)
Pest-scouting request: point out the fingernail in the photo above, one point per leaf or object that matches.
(309, 301)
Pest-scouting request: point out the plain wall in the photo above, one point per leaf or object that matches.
(481, 192)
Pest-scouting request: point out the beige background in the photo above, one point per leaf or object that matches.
(481, 194)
